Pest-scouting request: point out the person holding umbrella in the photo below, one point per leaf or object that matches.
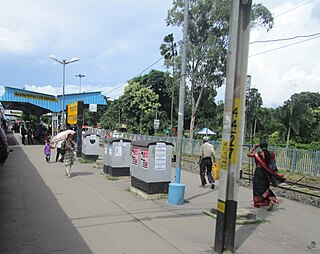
(68, 147)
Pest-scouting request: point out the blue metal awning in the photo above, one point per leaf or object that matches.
(40, 103)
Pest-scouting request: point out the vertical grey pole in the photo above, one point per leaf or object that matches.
(232, 125)
(172, 95)
(79, 128)
(182, 92)
(63, 91)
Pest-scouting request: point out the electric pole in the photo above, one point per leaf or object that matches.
(232, 141)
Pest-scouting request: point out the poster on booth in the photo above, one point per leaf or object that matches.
(160, 156)
(144, 158)
(118, 150)
(134, 156)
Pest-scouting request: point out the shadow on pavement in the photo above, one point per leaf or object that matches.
(31, 220)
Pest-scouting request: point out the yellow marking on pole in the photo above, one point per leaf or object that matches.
(224, 159)
(235, 131)
(221, 206)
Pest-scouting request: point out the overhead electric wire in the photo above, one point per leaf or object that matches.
(293, 9)
(125, 82)
(286, 39)
(288, 45)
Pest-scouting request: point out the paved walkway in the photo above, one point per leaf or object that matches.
(41, 212)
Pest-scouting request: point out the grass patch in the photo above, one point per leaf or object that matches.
(128, 189)
(85, 161)
(112, 178)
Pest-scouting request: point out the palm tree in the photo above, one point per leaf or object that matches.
(168, 50)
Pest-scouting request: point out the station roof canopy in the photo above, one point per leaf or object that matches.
(40, 103)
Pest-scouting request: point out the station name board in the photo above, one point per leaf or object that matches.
(35, 96)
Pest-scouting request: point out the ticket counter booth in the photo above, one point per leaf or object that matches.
(90, 146)
(117, 158)
(151, 166)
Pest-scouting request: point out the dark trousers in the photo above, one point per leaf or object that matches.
(206, 165)
(30, 141)
(23, 139)
(58, 153)
(57, 156)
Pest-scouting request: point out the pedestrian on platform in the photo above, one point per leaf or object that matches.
(29, 135)
(59, 156)
(207, 154)
(47, 150)
(3, 146)
(68, 146)
(263, 175)
(23, 135)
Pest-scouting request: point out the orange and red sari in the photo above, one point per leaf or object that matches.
(263, 177)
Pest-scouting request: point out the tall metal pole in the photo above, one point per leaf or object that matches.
(182, 93)
(239, 32)
(80, 76)
(172, 95)
(63, 91)
(64, 62)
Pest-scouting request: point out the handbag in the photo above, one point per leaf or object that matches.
(216, 171)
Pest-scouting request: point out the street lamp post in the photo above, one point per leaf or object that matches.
(64, 62)
(80, 76)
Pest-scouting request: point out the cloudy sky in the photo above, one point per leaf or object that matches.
(117, 40)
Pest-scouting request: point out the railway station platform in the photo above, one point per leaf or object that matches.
(41, 212)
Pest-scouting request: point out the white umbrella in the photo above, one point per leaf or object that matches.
(205, 131)
(62, 135)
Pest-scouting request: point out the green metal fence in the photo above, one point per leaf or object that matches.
(292, 160)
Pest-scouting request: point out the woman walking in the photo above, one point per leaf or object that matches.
(68, 146)
(263, 175)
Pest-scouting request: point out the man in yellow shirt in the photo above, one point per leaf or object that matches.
(206, 156)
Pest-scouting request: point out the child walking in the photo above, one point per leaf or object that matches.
(47, 151)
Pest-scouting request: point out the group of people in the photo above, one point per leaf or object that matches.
(65, 153)
(27, 132)
(265, 173)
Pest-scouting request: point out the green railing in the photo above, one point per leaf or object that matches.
(293, 160)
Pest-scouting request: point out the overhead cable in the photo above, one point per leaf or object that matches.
(288, 45)
(286, 39)
(293, 9)
(125, 82)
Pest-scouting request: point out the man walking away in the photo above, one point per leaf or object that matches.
(29, 135)
(23, 135)
(205, 160)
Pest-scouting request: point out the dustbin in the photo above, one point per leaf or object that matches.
(117, 157)
(151, 166)
(90, 146)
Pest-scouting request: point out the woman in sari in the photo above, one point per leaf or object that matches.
(263, 176)
(68, 146)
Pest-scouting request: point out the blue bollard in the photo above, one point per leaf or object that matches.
(176, 193)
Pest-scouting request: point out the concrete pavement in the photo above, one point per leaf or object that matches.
(41, 212)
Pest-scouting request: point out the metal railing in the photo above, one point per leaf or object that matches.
(292, 160)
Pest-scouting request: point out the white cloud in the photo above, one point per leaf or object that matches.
(48, 89)
(293, 69)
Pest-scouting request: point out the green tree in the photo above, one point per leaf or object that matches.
(93, 118)
(207, 43)
(137, 102)
(299, 115)
(111, 118)
(253, 104)
(169, 51)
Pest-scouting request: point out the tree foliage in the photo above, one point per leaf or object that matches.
(208, 42)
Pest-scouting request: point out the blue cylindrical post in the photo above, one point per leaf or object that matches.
(176, 193)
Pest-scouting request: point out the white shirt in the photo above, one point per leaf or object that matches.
(59, 144)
